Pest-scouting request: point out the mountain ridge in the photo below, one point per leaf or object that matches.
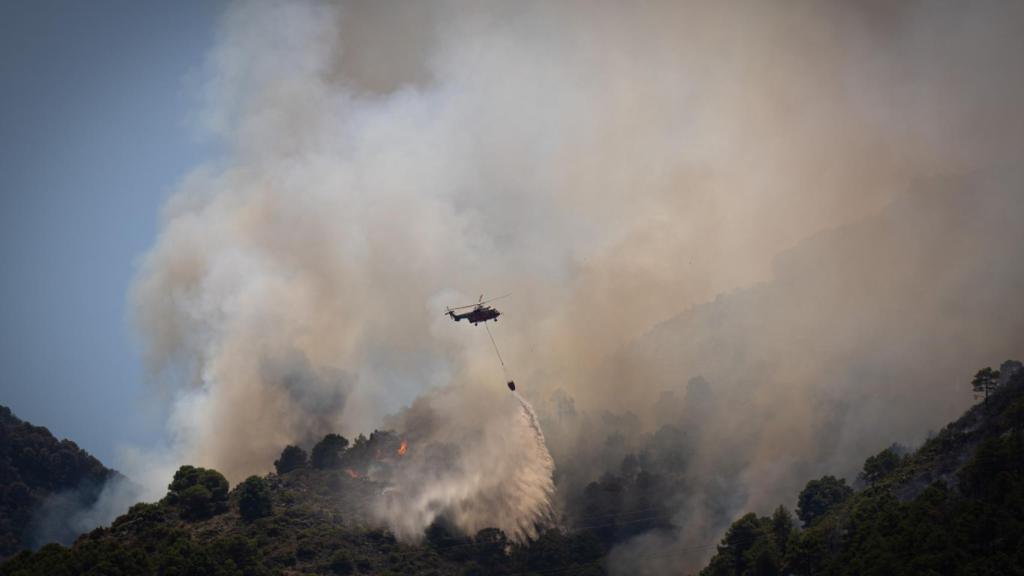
(35, 469)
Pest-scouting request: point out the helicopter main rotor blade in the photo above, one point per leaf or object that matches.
(495, 298)
(479, 302)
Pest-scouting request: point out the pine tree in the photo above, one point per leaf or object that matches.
(985, 381)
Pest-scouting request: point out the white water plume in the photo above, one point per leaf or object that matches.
(488, 468)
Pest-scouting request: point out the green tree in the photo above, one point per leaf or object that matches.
(254, 498)
(820, 496)
(782, 528)
(746, 548)
(198, 492)
(985, 382)
(292, 458)
(195, 502)
(880, 465)
(327, 452)
(763, 558)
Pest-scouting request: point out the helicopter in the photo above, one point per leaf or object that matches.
(479, 312)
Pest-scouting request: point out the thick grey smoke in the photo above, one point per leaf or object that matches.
(613, 165)
(865, 336)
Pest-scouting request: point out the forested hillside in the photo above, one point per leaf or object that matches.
(310, 517)
(33, 467)
(953, 506)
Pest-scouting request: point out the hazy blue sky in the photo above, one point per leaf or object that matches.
(94, 134)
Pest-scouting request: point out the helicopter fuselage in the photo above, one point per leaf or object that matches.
(476, 315)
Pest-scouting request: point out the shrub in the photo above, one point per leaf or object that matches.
(254, 498)
(196, 502)
(341, 563)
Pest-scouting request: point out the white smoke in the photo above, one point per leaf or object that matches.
(610, 164)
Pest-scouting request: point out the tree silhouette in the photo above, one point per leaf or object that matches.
(880, 465)
(327, 452)
(198, 492)
(985, 381)
(820, 496)
(292, 458)
(254, 498)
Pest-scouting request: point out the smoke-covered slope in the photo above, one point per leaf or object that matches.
(954, 506)
(43, 483)
(863, 336)
(312, 518)
(859, 324)
(611, 167)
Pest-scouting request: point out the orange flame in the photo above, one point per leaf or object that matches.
(403, 448)
(352, 473)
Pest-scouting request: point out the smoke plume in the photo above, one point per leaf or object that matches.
(636, 175)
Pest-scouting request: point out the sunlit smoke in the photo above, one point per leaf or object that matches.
(612, 166)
